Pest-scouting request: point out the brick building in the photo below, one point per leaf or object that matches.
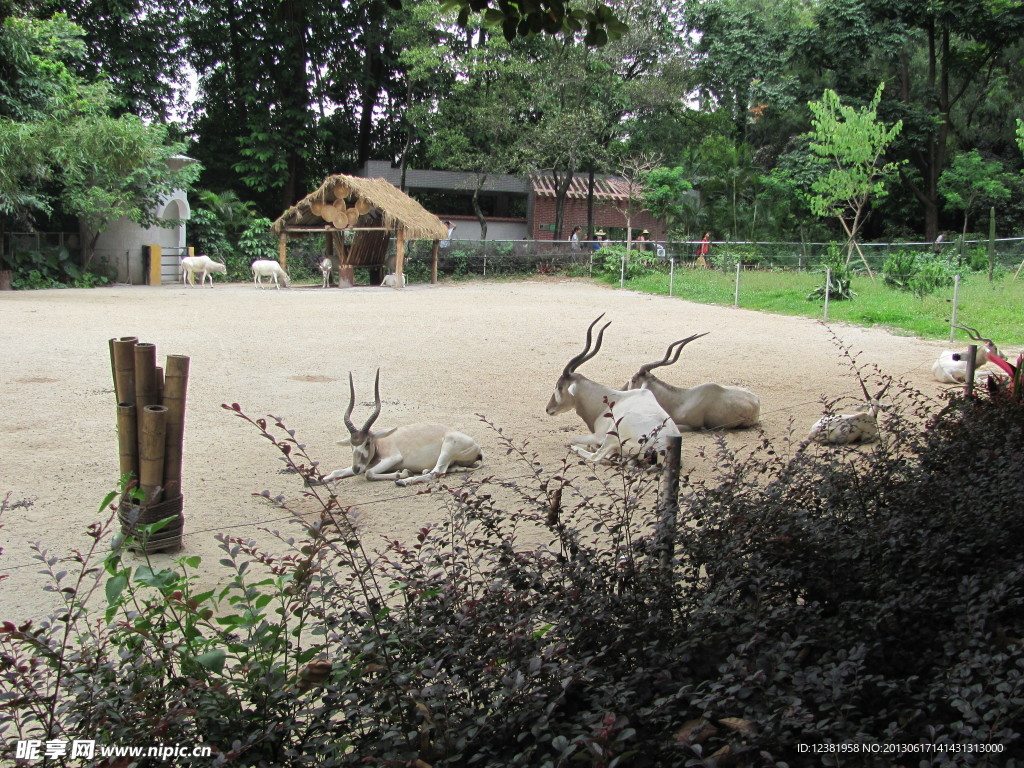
(610, 203)
(517, 208)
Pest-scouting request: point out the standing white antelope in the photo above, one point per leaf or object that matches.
(412, 454)
(628, 423)
(269, 268)
(202, 264)
(706, 406)
(951, 367)
(325, 270)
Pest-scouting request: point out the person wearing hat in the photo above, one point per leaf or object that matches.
(644, 237)
(599, 237)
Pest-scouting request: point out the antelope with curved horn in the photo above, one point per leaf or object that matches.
(416, 453)
(706, 406)
(861, 426)
(951, 367)
(621, 422)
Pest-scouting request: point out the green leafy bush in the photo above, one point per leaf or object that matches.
(838, 276)
(919, 273)
(807, 595)
(608, 261)
(50, 268)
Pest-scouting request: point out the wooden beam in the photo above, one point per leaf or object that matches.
(282, 250)
(433, 263)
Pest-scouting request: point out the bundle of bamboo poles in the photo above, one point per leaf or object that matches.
(150, 421)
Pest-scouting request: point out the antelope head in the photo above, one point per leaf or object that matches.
(642, 377)
(873, 404)
(985, 348)
(363, 441)
(564, 397)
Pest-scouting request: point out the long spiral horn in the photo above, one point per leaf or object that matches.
(586, 354)
(669, 358)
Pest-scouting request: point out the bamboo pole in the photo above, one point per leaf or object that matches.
(153, 421)
(175, 388)
(127, 439)
(147, 390)
(124, 368)
(433, 262)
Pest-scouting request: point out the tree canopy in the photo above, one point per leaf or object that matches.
(273, 96)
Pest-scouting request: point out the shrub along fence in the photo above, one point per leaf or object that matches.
(467, 258)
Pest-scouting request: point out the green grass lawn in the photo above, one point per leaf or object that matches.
(995, 309)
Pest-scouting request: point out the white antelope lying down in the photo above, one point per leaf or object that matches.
(951, 367)
(706, 406)
(630, 423)
(416, 453)
(861, 426)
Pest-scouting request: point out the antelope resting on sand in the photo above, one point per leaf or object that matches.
(621, 422)
(706, 406)
(416, 453)
(861, 426)
(951, 367)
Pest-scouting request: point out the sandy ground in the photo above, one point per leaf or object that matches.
(446, 353)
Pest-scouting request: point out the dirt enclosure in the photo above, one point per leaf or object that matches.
(446, 353)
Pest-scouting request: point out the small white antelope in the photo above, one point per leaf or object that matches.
(412, 454)
(629, 423)
(861, 426)
(391, 280)
(706, 406)
(203, 264)
(951, 367)
(269, 268)
(325, 270)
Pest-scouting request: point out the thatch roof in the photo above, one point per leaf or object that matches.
(369, 203)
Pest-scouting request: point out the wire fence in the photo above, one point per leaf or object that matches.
(495, 258)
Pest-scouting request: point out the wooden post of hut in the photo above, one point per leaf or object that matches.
(433, 262)
(282, 250)
(400, 259)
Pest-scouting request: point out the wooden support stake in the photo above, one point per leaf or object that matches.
(124, 369)
(151, 452)
(972, 350)
(282, 251)
(668, 501)
(433, 262)
(127, 439)
(175, 388)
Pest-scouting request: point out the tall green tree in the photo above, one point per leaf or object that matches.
(850, 143)
(970, 182)
(62, 139)
(944, 60)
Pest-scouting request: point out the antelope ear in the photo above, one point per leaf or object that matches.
(345, 441)
(571, 391)
(382, 433)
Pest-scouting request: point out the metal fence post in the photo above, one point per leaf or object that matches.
(736, 293)
(671, 274)
(828, 286)
(956, 297)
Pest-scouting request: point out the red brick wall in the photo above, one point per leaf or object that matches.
(574, 213)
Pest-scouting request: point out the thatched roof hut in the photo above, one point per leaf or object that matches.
(373, 209)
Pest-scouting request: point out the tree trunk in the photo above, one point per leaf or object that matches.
(561, 190)
(480, 179)
(590, 202)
